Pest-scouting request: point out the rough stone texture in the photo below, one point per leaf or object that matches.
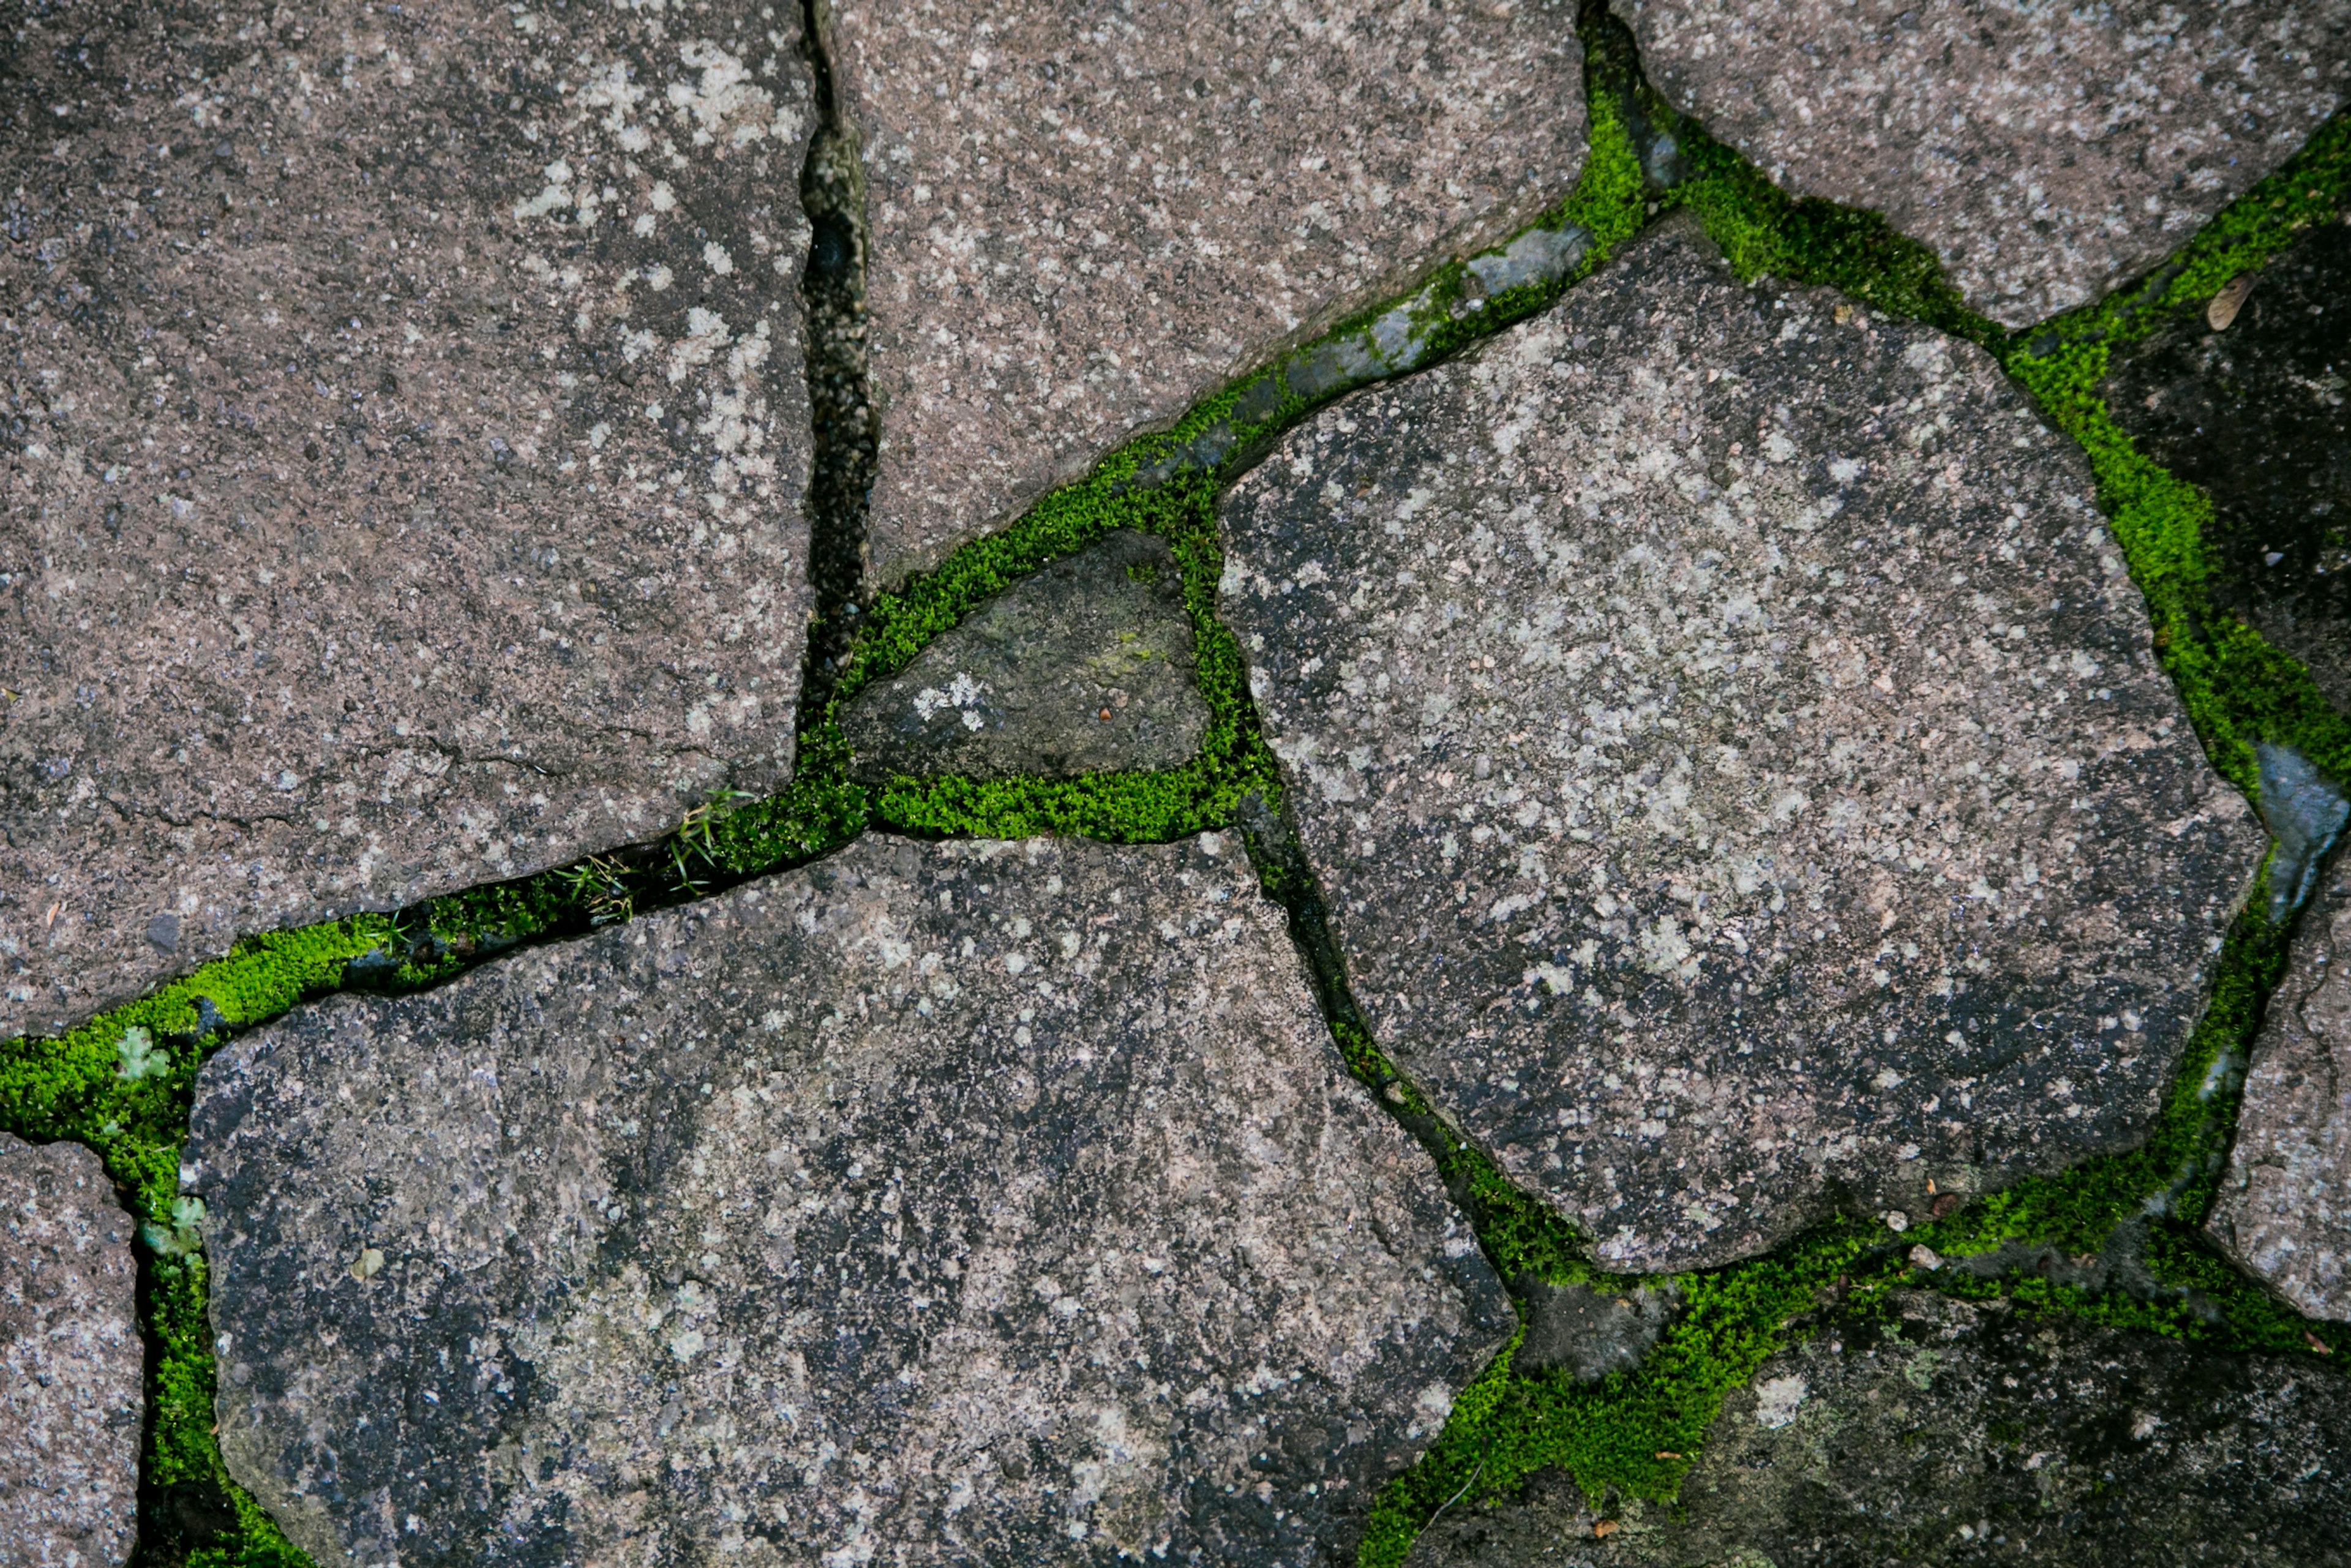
(1957, 1434)
(2285, 1207)
(970, 1202)
(72, 1367)
(1592, 1332)
(2046, 151)
(1083, 665)
(1083, 220)
(343, 560)
(1733, 752)
(2257, 416)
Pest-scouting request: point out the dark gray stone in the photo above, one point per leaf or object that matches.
(1083, 666)
(2256, 413)
(1084, 221)
(2283, 1211)
(1731, 745)
(2046, 152)
(964, 1202)
(1944, 1434)
(345, 559)
(1592, 1331)
(72, 1367)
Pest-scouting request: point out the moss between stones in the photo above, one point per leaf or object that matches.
(1635, 1432)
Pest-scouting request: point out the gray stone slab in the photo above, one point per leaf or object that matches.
(1731, 744)
(1082, 666)
(2047, 154)
(1950, 1434)
(2284, 1205)
(345, 561)
(962, 1202)
(72, 1365)
(1084, 221)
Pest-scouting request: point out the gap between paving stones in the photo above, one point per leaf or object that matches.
(104, 1086)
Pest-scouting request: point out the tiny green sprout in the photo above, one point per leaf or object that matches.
(140, 1059)
(186, 1236)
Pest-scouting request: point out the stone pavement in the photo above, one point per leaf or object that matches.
(1693, 793)
(71, 1364)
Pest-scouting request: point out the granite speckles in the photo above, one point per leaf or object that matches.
(1729, 742)
(72, 1365)
(407, 488)
(980, 1201)
(2046, 151)
(1082, 221)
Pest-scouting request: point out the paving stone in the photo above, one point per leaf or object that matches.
(1946, 1433)
(72, 1367)
(975, 1201)
(1081, 221)
(346, 559)
(1082, 666)
(1731, 747)
(2046, 154)
(2283, 1211)
(2255, 415)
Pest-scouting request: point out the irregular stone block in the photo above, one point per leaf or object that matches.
(2046, 154)
(1945, 1432)
(992, 1202)
(1731, 746)
(2285, 1207)
(1083, 666)
(2254, 414)
(72, 1367)
(1082, 223)
(414, 428)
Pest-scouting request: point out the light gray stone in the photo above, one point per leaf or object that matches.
(1083, 220)
(1940, 1433)
(1731, 745)
(1082, 666)
(344, 561)
(2305, 812)
(2046, 151)
(72, 1367)
(2283, 1211)
(962, 1202)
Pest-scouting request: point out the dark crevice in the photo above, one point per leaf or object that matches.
(841, 405)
